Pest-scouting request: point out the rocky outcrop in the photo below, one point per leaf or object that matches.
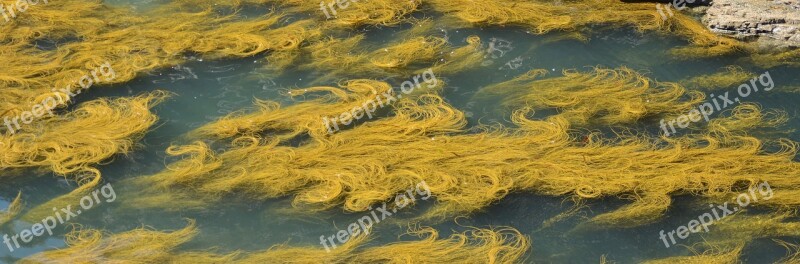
(773, 22)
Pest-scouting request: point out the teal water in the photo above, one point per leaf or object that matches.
(206, 90)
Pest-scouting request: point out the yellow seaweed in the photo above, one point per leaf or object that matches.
(137, 246)
(475, 246)
(743, 229)
(774, 59)
(426, 139)
(793, 249)
(130, 43)
(74, 142)
(71, 145)
(747, 117)
(12, 211)
(542, 17)
(461, 59)
(731, 75)
(402, 54)
(604, 96)
(146, 246)
(721, 256)
(342, 58)
(276, 151)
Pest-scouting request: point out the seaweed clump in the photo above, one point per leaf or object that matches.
(130, 43)
(72, 145)
(146, 246)
(427, 139)
(12, 211)
(604, 96)
(74, 142)
(572, 16)
(710, 256)
(730, 76)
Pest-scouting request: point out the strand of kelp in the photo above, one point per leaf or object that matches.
(426, 139)
(354, 14)
(74, 143)
(539, 16)
(504, 245)
(771, 59)
(748, 117)
(89, 33)
(743, 228)
(623, 96)
(604, 96)
(731, 251)
(577, 94)
(160, 38)
(546, 16)
(542, 17)
(723, 256)
(337, 57)
(414, 49)
(730, 76)
(793, 249)
(727, 238)
(14, 208)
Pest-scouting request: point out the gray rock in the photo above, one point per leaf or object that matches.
(770, 21)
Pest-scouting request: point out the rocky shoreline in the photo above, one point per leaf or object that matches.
(774, 23)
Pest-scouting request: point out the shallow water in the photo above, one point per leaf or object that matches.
(209, 89)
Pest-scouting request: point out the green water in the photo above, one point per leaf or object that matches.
(206, 90)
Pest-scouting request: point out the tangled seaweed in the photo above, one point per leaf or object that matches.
(342, 58)
(277, 151)
(788, 58)
(94, 33)
(426, 139)
(137, 246)
(545, 16)
(12, 211)
(604, 96)
(345, 15)
(65, 146)
(730, 76)
(710, 256)
(743, 229)
(146, 246)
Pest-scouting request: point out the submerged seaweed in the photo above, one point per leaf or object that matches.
(146, 246)
(588, 149)
(425, 139)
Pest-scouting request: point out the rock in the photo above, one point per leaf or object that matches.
(775, 22)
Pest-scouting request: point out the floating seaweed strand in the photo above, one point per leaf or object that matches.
(504, 245)
(426, 139)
